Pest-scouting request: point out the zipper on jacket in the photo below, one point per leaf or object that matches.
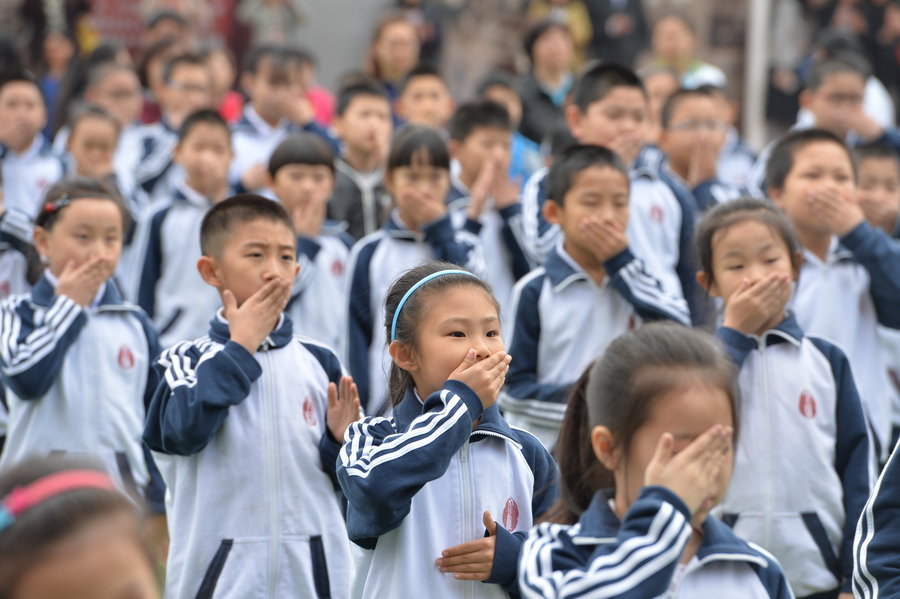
(469, 532)
(272, 482)
(767, 476)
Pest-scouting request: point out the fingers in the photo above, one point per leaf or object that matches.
(704, 445)
(229, 301)
(663, 453)
(332, 396)
(489, 523)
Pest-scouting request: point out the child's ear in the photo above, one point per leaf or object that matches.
(206, 266)
(389, 181)
(453, 145)
(398, 107)
(709, 286)
(552, 212)
(40, 240)
(805, 98)
(774, 195)
(176, 153)
(797, 265)
(403, 356)
(247, 80)
(573, 120)
(605, 447)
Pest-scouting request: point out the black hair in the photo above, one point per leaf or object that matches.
(620, 390)
(412, 140)
(597, 81)
(91, 111)
(724, 215)
(20, 77)
(423, 69)
(480, 114)
(845, 63)
(33, 532)
(186, 59)
(781, 160)
(167, 15)
(157, 49)
(61, 194)
(205, 116)
(875, 150)
(98, 73)
(301, 148)
(558, 139)
(496, 79)
(538, 30)
(672, 102)
(236, 210)
(678, 16)
(358, 86)
(399, 380)
(572, 161)
(281, 56)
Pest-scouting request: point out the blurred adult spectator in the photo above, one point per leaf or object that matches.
(619, 30)
(674, 45)
(544, 88)
(273, 21)
(428, 18)
(573, 14)
(394, 51)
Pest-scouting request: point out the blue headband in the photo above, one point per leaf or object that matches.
(412, 290)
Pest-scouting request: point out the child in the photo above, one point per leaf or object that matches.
(187, 88)
(419, 229)
(593, 273)
(93, 137)
(273, 81)
(301, 174)
(609, 108)
(483, 199)
(363, 123)
(879, 186)
(74, 332)
(800, 400)
(851, 272)
(174, 296)
(647, 454)
(424, 98)
(29, 165)
(660, 83)
(244, 427)
(67, 532)
(419, 485)
(20, 264)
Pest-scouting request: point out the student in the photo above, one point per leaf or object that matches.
(174, 296)
(20, 264)
(65, 531)
(427, 483)
(799, 400)
(592, 273)
(72, 332)
(879, 186)
(187, 88)
(660, 83)
(363, 124)
(484, 200)
(29, 165)
(609, 108)
(424, 98)
(91, 144)
(850, 279)
(272, 78)
(244, 427)
(647, 454)
(418, 229)
(736, 158)
(301, 175)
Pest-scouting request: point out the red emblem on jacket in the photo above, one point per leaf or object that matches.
(309, 412)
(807, 404)
(126, 358)
(510, 515)
(337, 268)
(657, 214)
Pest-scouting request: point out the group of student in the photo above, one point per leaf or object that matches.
(347, 362)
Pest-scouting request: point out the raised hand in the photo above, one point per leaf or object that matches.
(605, 238)
(481, 190)
(308, 217)
(752, 305)
(343, 407)
(837, 210)
(473, 560)
(251, 322)
(81, 283)
(485, 377)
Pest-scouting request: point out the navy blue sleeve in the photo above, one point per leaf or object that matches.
(737, 344)
(852, 453)
(360, 321)
(329, 447)
(539, 236)
(514, 239)
(448, 246)
(32, 350)
(628, 275)
(507, 551)
(880, 256)
(890, 138)
(151, 270)
(192, 399)
(314, 127)
(308, 247)
(686, 269)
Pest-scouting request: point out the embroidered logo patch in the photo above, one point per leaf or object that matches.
(337, 268)
(126, 358)
(309, 412)
(4, 288)
(510, 515)
(807, 404)
(656, 213)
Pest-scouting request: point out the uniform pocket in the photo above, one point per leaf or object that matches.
(214, 571)
(170, 322)
(238, 569)
(303, 569)
(319, 568)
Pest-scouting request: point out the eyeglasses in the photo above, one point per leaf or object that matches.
(699, 126)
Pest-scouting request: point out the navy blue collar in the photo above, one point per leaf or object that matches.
(395, 228)
(561, 271)
(43, 293)
(786, 330)
(491, 422)
(279, 337)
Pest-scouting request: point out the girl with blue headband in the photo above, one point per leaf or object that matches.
(424, 487)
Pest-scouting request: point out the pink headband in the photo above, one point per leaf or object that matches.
(21, 499)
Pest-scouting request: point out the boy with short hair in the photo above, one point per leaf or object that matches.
(244, 427)
(29, 164)
(363, 123)
(482, 199)
(591, 273)
(272, 78)
(424, 98)
(879, 186)
(172, 295)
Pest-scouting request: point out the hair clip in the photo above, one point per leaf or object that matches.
(58, 204)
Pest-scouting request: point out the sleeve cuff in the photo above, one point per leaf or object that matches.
(473, 226)
(244, 360)
(308, 247)
(617, 262)
(663, 494)
(506, 559)
(857, 236)
(469, 397)
(510, 211)
(440, 231)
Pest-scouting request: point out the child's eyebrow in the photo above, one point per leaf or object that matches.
(466, 320)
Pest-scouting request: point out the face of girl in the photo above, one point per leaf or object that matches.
(300, 184)
(685, 412)
(419, 190)
(456, 320)
(85, 228)
(92, 146)
(102, 560)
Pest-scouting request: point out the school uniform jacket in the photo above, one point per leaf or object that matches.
(375, 262)
(170, 289)
(27, 176)
(359, 199)
(155, 172)
(242, 444)
(20, 264)
(638, 558)
(77, 379)
(801, 471)
(561, 320)
(419, 482)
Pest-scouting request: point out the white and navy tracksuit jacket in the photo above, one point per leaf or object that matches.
(843, 299)
(317, 300)
(20, 264)
(638, 558)
(27, 176)
(801, 471)
(156, 174)
(660, 228)
(419, 482)
(242, 444)
(77, 379)
(170, 289)
(375, 262)
(561, 320)
(359, 199)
